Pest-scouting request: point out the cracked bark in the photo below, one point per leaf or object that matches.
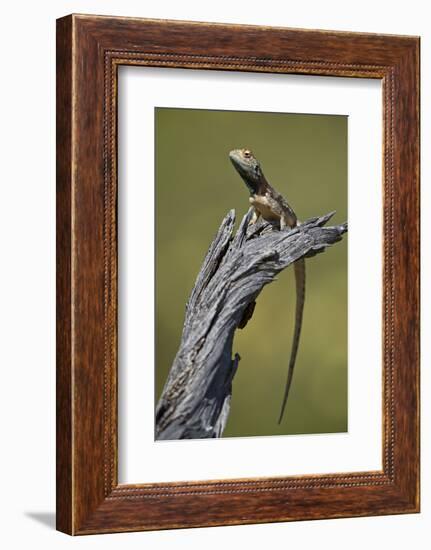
(195, 401)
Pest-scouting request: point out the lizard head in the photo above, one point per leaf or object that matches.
(248, 167)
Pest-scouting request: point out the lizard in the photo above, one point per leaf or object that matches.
(273, 207)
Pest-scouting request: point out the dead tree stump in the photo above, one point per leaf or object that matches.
(195, 401)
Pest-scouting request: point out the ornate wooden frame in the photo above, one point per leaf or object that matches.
(89, 50)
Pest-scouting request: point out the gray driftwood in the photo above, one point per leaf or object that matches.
(195, 401)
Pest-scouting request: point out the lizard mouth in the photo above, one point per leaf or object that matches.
(244, 170)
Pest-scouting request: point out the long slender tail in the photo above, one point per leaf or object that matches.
(300, 298)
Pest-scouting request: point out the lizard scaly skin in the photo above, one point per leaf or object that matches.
(272, 206)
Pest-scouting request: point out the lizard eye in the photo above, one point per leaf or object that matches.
(247, 154)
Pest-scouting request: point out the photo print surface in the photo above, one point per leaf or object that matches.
(297, 171)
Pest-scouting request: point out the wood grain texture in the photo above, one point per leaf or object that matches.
(64, 496)
(90, 49)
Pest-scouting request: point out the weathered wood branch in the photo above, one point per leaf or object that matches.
(195, 401)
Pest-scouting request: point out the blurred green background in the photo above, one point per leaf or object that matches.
(305, 158)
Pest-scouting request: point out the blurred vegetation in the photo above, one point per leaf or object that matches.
(305, 158)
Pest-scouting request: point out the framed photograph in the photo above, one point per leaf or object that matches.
(237, 274)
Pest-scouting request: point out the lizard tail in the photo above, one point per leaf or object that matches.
(299, 266)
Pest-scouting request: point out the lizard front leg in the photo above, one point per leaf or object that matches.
(254, 217)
